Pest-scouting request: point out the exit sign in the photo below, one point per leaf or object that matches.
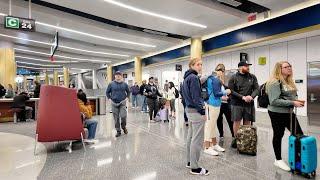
(18, 23)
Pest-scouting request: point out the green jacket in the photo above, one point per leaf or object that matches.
(280, 98)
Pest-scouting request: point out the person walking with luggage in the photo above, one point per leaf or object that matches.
(245, 88)
(282, 93)
(195, 109)
(134, 94)
(215, 91)
(118, 93)
(152, 94)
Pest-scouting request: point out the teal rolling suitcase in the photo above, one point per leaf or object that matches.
(302, 153)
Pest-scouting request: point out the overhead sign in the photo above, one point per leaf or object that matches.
(178, 67)
(262, 60)
(19, 23)
(55, 44)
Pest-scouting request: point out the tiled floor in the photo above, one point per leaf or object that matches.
(149, 151)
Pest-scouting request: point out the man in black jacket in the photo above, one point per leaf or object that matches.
(245, 88)
(152, 93)
(36, 92)
(143, 97)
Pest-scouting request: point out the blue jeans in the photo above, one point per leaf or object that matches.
(134, 100)
(91, 125)
(143, 103)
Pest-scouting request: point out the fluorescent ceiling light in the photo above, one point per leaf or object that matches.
(42, 60)
(155, 14)
(66, 47)
(28, 67)
(66, 57)
(94, 36)
(231, 2)
(90, 35)
(35, 64)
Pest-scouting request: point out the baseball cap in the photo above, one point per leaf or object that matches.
(244, 63)
(118, 73)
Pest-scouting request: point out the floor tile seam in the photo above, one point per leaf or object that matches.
(182, 147)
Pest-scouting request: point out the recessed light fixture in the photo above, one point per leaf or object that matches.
(65, 57)
(35, 64)
(29, 67)
(93, 36)
(42, 60)
(154, 14)
(66, 47)
(90, 35)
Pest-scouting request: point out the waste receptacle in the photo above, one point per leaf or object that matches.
(102, 105)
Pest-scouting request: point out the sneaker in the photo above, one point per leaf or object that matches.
(90, 141)
(218, 148)
(188, 165)
(125, 130)
(153, 121)
(234, 143)
(199, 171)
(110, 111)
(282, 165)
(211, 152)
(118, 134)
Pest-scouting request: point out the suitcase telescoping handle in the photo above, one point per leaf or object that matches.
(293, 110)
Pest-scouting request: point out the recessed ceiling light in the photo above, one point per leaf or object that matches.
(29, 67)
(42, 60)
(66, 47)
(90, 35)
(94, 36)
(35, 64)
(65, 57)
(154, 14)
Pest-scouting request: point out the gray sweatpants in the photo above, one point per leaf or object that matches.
(195, 137)
(119, 111)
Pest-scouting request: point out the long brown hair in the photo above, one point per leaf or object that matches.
(277, 76)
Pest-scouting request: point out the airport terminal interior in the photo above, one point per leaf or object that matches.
(159, 89)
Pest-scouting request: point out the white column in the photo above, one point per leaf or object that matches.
(94, 79)
(79, 81)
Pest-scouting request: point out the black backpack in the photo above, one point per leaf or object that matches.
(204, 90)
(263, 99)
(176, 93)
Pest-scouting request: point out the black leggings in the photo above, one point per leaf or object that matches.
(153, 107)
(279, 122)
(226, 110)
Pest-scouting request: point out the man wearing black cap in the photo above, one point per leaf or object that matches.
(152, 94)
(118, 92)
(245, 88)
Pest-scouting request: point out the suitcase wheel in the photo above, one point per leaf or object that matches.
(313, 173)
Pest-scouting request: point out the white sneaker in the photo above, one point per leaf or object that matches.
(211, 152)
(90, 141)
(218, 148)
(282, 165)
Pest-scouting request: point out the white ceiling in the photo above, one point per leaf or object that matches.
(214, 19)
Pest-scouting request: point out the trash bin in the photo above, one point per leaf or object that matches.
(102, 105)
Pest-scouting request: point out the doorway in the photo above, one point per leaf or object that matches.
(313, 93)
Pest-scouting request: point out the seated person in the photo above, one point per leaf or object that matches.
(19, 101)
(10, 92)
(89, 122)
(2, 91)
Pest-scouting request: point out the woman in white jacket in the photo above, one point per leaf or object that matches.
(172, 98)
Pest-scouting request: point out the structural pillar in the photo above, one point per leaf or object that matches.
(8, 67)
(109, 74)
(25, 83)
(79, 80)
(138, 70)
(55, 78)
(94, 79)
(196, 48)
(66, 77)
(46, 78)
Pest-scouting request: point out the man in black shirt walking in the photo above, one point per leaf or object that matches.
(152, 93)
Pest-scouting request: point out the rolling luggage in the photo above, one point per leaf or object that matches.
(163, 115)
(247, 140)
(302, 152)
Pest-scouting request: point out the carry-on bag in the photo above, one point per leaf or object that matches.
(302, 151)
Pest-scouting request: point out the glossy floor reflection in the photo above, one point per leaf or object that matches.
(153, 151)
